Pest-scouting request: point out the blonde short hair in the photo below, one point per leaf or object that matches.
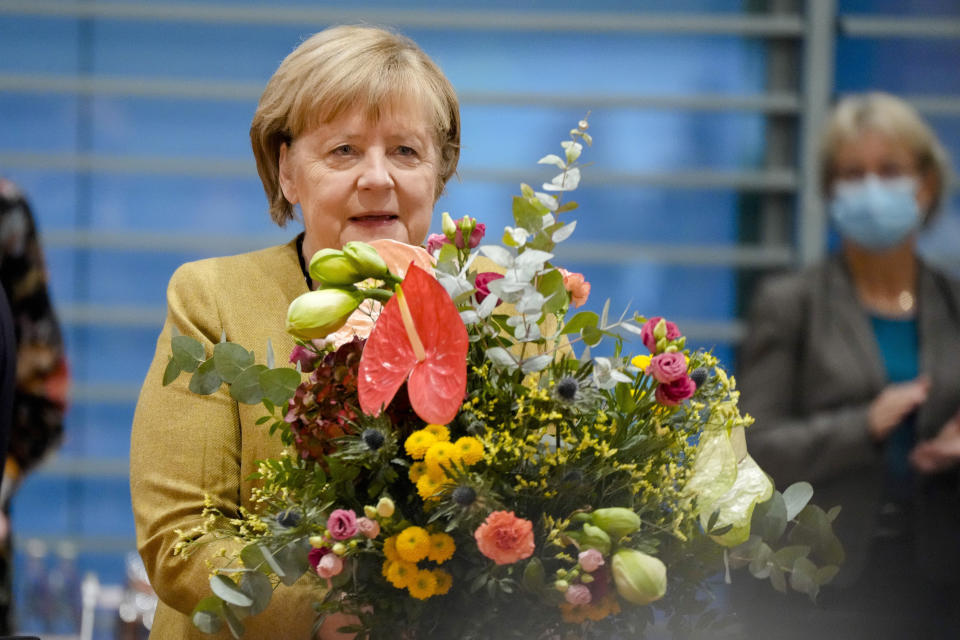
(894, 118)
(339, 69)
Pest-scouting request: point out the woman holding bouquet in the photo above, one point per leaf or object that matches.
(361, 130)
(851, 371)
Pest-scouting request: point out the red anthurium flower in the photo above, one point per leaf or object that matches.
(419, 335)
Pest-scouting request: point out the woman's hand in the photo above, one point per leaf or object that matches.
(894, 404)
(328, 630)
(940, 453)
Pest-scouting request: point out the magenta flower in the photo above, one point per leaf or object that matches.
(305, 357)
(475, 236)
(646, 333)
(673, 393)
(315, 555)
(483, 279)
(667, 367)
(342, 524)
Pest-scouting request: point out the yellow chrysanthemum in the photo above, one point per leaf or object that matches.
(441, 547)
(417, 471)
(440, 431)
(385, 569)
(439, 455)
(444, 581)
(390, 549)
(469, 450)
(423, 584)
(427, 487)
(401, 574)
(413, 544)
(418, 442)
(640, 362)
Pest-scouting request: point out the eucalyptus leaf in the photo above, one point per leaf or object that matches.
(205, 380)
(566, 181)
(533, 258)
(536, 363)
(188, 352)
(796, 498)
(527, 213)
(761, 565)
(206, 615)
(171, 372)
(591, 335)
(499, 255)
(279, 385)
(231, 359)
(253, 558)
(233, 621)
(292, 557)
(564, 232)
(487, 306)
(803, 578)
(787, 556)
(501, 358)
(246, 387)
(553, 291)
(778, 580)
(833, 513)
(581, 320)
(469, 317)
(770, 518)
(259, 588)
(229, 591)
(270, 357)
(553, 159)
(826, 574)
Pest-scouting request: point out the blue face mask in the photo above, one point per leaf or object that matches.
(875, 213)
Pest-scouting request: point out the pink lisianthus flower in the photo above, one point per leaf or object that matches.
(590, 560)
(342, 524)
(368, 528)
(435, 241)
(475, 236)
(578, 594)
(673, 393)
(646, 332)
(330, 565)
(578, 287)
(483, 279)
(667, 367)
(315, 555)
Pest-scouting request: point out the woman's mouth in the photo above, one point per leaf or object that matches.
(374, 219)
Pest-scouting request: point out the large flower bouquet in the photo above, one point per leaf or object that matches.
(460, 464)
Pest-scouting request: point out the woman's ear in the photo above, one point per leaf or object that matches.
(288, 183)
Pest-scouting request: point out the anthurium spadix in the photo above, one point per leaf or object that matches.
(419, 338)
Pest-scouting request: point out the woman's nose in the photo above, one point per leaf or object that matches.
(375, 172)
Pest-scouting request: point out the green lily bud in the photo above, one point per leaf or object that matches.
(448, 226)
(595, 538)
(366, 259)
(640, 578)
(370, 511)
(616, 521)
(319, 313)
(332, 268)
(385, 507)
(339, 548)
(561, 585)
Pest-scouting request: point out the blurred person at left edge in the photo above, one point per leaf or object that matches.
(39, 398)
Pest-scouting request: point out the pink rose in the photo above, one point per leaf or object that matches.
(435, 241)
(368, 528)
(483, 279)
(673, 393)
(330, 565)
(342, 524)
(316, 555)
(578, 594)
(308, 359)
(578, 287)
(646, 333)
(667, 367)
(475, 236)
(590, 560)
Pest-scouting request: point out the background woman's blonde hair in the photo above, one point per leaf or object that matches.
(894, 118)
(340, 69)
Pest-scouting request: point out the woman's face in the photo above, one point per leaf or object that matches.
(360, 180)
(875, 153)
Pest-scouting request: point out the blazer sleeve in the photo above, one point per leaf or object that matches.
(789, 442)
(185, 447)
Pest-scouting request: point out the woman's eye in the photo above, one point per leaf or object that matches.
(343, 150)
(406, 151)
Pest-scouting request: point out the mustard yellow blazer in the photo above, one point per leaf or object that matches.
(184, 446)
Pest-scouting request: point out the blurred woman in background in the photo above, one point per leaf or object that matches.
(852, 371)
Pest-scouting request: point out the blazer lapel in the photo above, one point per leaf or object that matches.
(855, 324)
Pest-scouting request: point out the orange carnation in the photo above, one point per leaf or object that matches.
(505, 538)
